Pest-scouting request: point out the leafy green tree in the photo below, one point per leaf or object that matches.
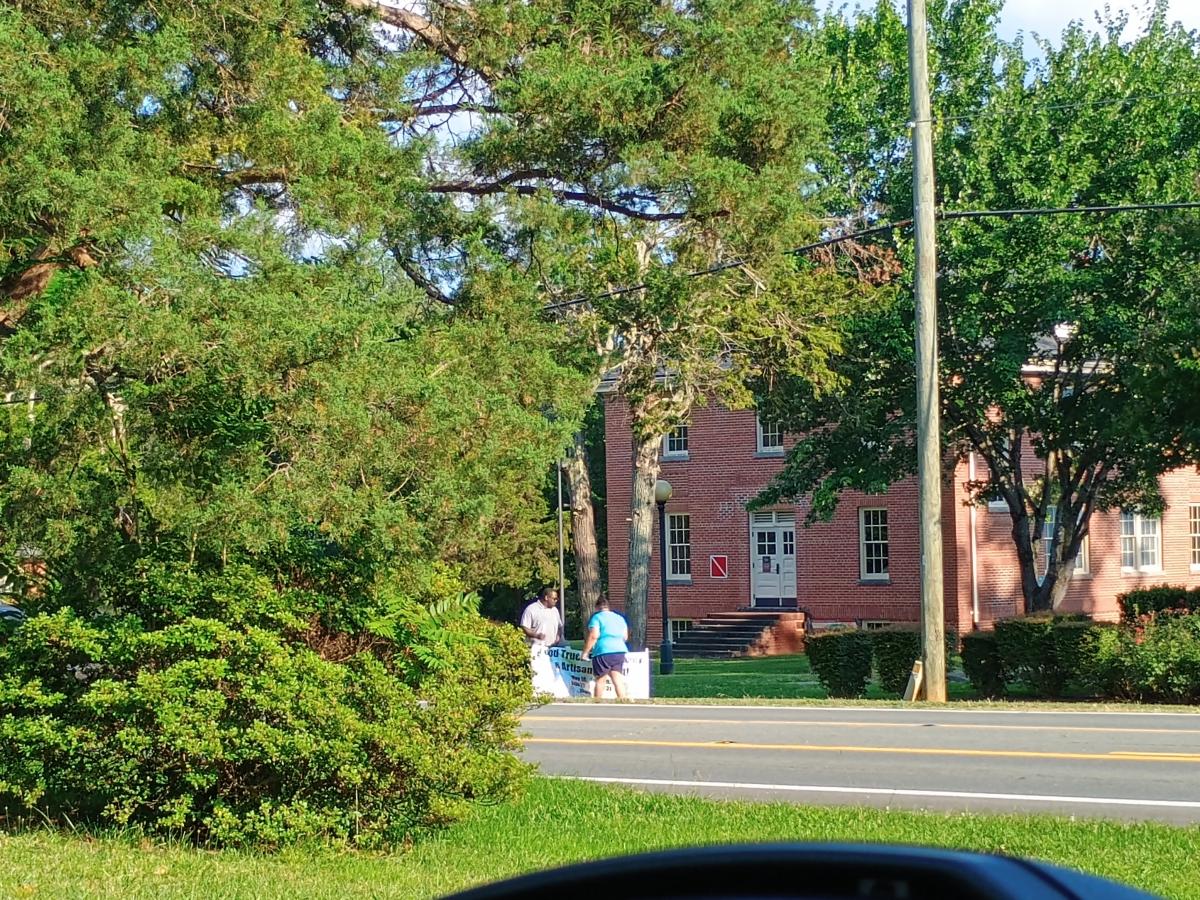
(1068, 342)
(250, 472)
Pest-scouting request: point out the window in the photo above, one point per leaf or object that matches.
(675, 444)
(875, 625)
(678, 627)
(873, 544)
(1081, 558)
(1139, 543)
(770, 437)
(1194, 533)
(679, 546)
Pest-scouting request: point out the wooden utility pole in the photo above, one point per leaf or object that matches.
(929, 464)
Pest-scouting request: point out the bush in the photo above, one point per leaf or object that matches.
(1158, 599)
(1076, 650)
(842, 661)
(239, 714)
(895, 649)
(982, 664)
(1028, 652)
(1156, 659)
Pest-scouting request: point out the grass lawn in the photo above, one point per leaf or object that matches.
(562, 821)
(762, 677)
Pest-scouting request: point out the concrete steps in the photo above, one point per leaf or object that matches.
(743, 633)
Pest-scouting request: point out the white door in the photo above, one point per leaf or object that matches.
(765, 564)
(773, 559)
(787, 562)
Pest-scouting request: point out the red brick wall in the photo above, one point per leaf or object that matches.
(1094, 592)
(723, 472)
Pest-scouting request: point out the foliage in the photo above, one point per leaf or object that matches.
(895, 649)
(1029, 650)
(1136, 603)
(842, 661)
(982, 663)
(236, 713)
(1156, 658)
(1068, 342)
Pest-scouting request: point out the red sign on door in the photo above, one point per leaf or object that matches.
(718, 566)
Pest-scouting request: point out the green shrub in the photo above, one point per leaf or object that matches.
(1076, 651)
(1028, 652)
(842, 661)
(896, 648)
(1157, 659)
(1157, 599)
(982, 664)
(239, 714)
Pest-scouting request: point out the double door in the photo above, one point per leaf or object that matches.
(773, 559)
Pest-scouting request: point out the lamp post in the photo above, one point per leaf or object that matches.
(666, 652)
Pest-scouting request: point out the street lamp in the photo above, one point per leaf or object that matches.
(666, 652)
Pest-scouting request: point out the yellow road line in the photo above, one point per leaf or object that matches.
(844, 724)
(1117, 755)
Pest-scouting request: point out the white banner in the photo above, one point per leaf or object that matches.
(562, 672)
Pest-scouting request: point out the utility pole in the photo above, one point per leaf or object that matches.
(929, 463)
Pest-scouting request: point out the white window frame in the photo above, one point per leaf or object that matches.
(680, 627)
(1194, 535)
(761, 434)
(875, 625)
(1135, 542)
(679, 552)
(1082, 562)
(676, 454)
(863, 574)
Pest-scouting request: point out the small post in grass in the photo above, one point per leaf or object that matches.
(916, 682)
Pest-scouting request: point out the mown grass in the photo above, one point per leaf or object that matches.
(766, 677)
(560, 821)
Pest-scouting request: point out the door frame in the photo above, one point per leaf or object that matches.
(777, 527)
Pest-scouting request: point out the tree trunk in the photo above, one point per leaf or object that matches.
(641, 523)
(1027, 562)
(583, 528)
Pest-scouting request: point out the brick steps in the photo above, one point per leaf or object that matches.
(744, 633)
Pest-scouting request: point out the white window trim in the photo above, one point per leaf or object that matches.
(863, 574)
(675, 455)
(1138, 568)
(1193, 535)
(679, 627)
(669, 561)
(762, 450)
(1083, 563)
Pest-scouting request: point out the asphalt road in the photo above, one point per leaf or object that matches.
(1102, 765)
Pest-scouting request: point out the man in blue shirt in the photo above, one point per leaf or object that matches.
(607, 635)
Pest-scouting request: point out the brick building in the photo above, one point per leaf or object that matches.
(862, 566)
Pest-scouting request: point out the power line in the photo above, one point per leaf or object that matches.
(943, 215)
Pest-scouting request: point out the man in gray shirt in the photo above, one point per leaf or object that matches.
(542, 622)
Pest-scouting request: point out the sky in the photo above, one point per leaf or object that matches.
(1048, 18)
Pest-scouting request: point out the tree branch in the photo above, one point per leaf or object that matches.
(429, 34)
(505, 184)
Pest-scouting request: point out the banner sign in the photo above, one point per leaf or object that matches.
(562, 672)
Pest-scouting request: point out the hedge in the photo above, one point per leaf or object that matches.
(895, 649)
(1160, 598)
(982, 663)
(842, 661)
